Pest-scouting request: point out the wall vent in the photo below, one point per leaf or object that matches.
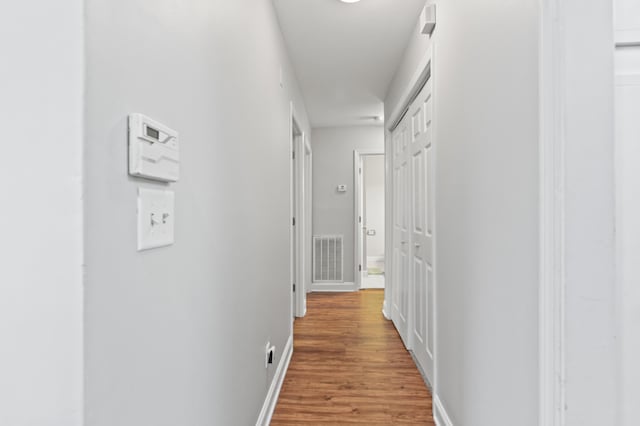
(327, 259)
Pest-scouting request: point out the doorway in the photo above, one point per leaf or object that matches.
(300, 214)
(369, 169)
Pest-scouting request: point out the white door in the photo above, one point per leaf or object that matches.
(294, 229)
(422, 247)
(401, 251)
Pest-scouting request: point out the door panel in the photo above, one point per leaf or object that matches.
(422, 232)
(413, 305)
(401, 231)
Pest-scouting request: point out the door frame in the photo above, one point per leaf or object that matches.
(574, 238)
(308, 220)
(297, 215)
(358, 217)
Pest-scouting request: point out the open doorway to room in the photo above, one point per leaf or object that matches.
(300, 210)
(370, 219)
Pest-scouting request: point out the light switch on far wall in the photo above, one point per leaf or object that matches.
(342, 188)
(155, 218)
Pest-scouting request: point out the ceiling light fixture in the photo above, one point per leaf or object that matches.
(349, 1)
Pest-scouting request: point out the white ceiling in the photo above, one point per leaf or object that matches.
(345, 55)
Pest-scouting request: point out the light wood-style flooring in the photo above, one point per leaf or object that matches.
(349, 366)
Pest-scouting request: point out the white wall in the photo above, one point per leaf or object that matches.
(627, 69)
(373, 180)
(333, 212)
(41, 218)
(415, 50)
(176, 336)
(486, 141)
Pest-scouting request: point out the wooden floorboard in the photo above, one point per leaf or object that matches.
(349, 366)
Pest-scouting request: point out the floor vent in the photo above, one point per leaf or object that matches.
(327, 259)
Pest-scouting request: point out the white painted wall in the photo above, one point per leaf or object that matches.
(373, 180)
(333, 212)
(415, 50)
(627, 69)
(41, 85)
(176, 336)
(486, 141)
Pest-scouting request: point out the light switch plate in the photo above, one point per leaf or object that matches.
(155, 218)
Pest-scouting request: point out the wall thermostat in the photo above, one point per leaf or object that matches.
(342, 188)
(154, 150)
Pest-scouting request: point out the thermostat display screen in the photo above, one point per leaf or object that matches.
(153, 133)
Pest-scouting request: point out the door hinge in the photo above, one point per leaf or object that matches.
(360, 170)
(359, 219)
(294, 288)
(294, 221)
(359, 268)
(293, 155)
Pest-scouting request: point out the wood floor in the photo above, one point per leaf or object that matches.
(350, 367)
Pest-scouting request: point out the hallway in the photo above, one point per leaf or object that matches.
(350, 366)
(185, 226)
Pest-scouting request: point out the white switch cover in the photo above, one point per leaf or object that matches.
(155, 218)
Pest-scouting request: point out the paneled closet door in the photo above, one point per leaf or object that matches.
(422, 230)
(401, 230)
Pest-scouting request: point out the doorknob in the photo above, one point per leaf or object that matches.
(417, 245)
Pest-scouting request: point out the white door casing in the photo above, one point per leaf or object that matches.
(298, 216)
(308, 220)
(360, 219)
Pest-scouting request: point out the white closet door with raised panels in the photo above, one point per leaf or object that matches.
(422, 247)
(401, 227)
(412, 298)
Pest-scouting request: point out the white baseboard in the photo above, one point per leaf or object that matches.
(385, 312)
(333, 287)
(440, 414)
(276, 384)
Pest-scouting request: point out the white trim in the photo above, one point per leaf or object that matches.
(627, 80)
(423, 66)
(552, 215)
(271, 400)
(357, 213)
(296, 209)
(385, 311)
(388, 221)
(307, 146)
(357, 208)
(626, 38)
(333, 287)
(301, 226)
(308, 218)
(440, 415)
